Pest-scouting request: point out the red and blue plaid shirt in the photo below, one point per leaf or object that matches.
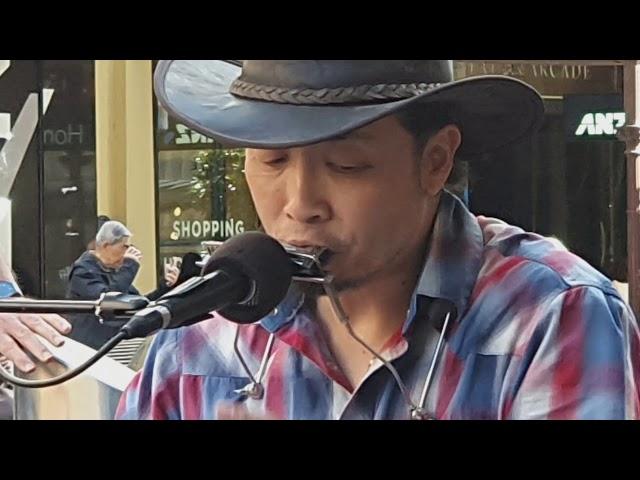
(537, 334)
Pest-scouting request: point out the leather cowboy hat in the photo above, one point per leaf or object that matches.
(288, 103)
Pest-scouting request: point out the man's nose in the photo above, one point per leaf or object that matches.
(306, 197)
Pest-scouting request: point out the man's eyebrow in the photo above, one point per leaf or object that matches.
(354, 134)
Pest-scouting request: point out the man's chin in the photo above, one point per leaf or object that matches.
(340, 284)
(341, 273)
(344, 285)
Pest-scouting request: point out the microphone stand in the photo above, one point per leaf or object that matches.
(114, 304)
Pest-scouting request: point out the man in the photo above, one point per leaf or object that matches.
(353, 156)
(111, 267)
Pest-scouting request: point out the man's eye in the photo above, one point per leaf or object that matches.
(345, 168)
(275, 161)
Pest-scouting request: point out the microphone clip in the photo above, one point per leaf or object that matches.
(252, 390)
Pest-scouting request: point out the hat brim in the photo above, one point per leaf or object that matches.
(491, 111)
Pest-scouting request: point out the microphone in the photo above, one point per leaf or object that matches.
(243, 280)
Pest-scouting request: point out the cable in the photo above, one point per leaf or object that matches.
(344, 319)
(21, 382)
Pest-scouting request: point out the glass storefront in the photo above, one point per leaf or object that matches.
(49, 108)
(69, 157)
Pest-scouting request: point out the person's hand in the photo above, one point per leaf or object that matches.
(17, 336)
(171, 273)
(238, 411)
(134, 254)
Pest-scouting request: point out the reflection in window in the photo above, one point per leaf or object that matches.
(202, 191)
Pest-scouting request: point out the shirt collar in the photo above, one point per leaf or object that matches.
(454, 254)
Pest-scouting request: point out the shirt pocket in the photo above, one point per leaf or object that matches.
(201, 394)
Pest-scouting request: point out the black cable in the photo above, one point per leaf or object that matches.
(21, 382)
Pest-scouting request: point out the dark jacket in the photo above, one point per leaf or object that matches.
(89, 279)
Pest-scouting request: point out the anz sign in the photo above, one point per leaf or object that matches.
(599, 124)
(593, 117)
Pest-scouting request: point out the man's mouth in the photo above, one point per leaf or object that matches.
(324, 253)
(302, 245)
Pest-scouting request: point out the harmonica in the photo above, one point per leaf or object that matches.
(307, 264)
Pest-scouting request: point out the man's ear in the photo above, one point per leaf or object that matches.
(437, 158)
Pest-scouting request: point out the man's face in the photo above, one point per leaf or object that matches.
(359, 195)
(114, 254)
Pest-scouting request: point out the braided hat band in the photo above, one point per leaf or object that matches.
(330, 96)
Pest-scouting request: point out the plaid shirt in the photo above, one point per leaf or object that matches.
(537, 334)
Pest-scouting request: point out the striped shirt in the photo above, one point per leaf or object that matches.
(536, 333)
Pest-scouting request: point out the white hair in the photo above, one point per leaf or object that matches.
(112, 232)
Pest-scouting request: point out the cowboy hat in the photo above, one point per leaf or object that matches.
(274, 104)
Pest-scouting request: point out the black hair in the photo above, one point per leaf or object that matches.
(422, 121)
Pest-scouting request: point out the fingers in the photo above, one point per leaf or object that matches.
(133, 253)
(17, 336)
(171, 275)
(57, 322)
(10, 349)
(38, 324)
(14, 327)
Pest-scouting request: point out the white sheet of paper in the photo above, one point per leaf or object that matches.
(106, 370)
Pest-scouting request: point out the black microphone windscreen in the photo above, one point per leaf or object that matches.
(262, 259)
